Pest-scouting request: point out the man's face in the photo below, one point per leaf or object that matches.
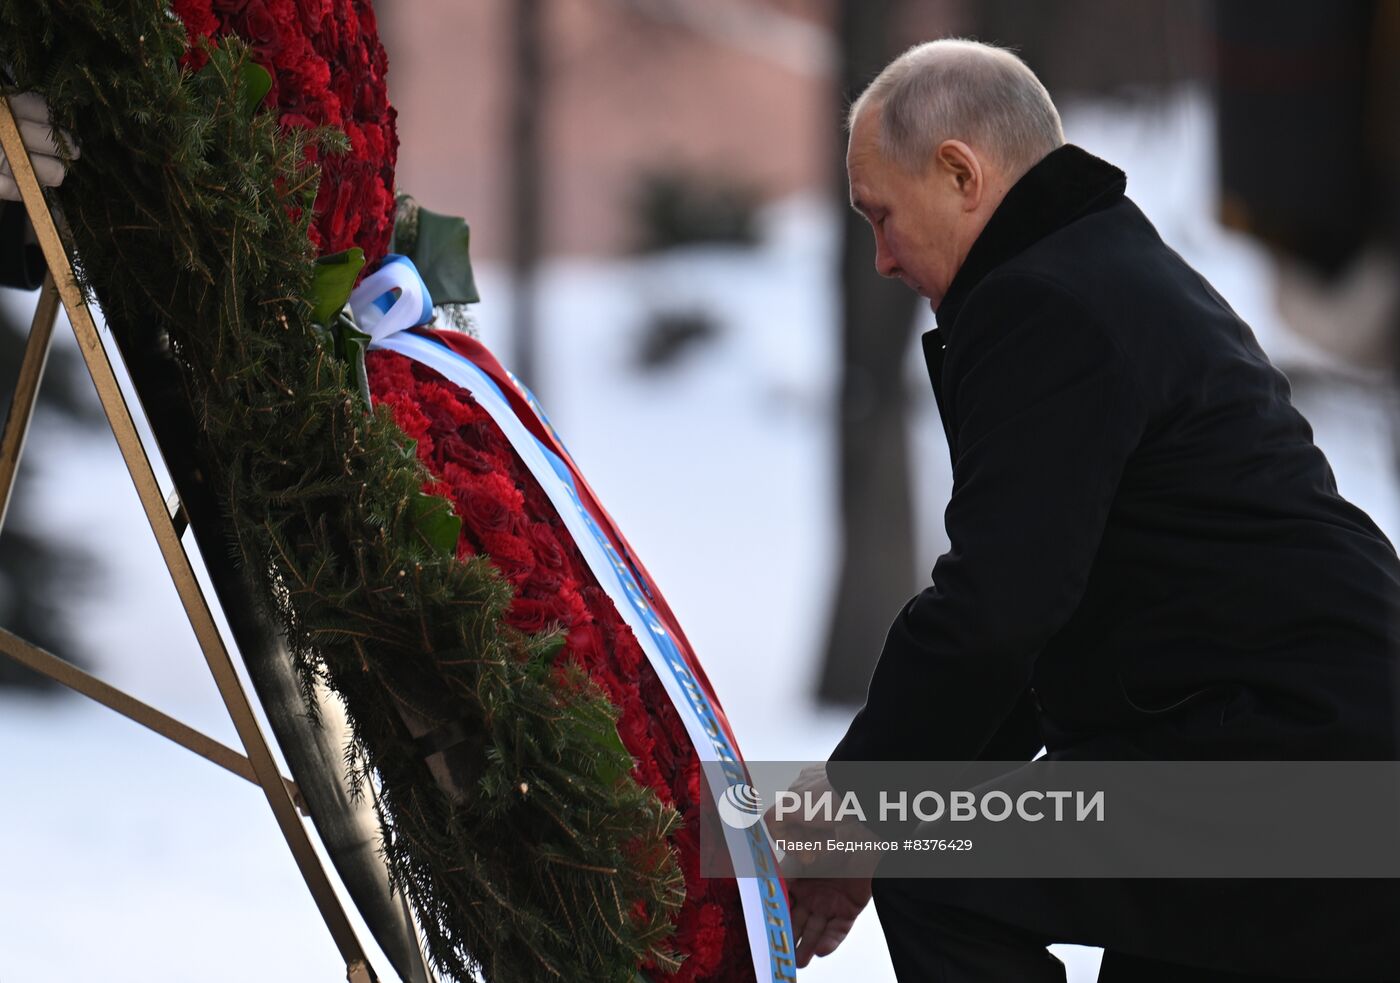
(924, 222)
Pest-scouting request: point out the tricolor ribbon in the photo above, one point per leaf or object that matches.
(467, 363)
(393, 298)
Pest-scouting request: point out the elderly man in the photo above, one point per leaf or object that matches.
(1149, 557)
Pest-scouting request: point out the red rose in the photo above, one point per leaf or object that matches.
(532, 616)
(547, 549)
(260, 29)
(537, 501)
(447, 410)
(454, 451)
(488, 502)
(543, 581)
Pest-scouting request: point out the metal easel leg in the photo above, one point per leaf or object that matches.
(66, 674)
(176, 561)
(31, 372)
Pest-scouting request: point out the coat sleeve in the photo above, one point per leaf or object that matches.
(21, 261)
(1046, 416)
(1019, 736)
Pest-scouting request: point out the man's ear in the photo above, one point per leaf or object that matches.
(957, 161)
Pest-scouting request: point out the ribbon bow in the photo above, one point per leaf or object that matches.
(393, 298)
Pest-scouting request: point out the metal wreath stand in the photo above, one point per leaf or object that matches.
(347, 826)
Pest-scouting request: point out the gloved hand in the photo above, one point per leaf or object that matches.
(32, 114)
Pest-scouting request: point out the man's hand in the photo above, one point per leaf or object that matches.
(32, 115)
(811, 782)
(823, 911)
(823, 908)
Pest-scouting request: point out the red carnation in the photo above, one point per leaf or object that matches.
(297, 40)
(313, 12)
(585, 643)
(447, 410)
(410, 420)
(533, 616)
(570, 606)
(199, 22)
(488, 502)
(555, 586)
(510, 553)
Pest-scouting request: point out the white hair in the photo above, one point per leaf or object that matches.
(955, 89)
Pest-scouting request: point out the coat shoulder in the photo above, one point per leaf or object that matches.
(1050, 316)
(1113, 270)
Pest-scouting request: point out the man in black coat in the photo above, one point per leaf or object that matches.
(1148, 555)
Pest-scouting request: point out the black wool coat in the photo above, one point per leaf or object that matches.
(21, 262)
(1148, 559)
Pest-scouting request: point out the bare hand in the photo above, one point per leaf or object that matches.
(823, 911)
(810, 782)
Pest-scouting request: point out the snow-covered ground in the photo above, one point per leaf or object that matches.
(128, 859)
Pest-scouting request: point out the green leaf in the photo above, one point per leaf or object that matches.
(616, 760)
(433, 518)
(257, 83)
(350, 346)
(332, 282)
(556, 645)
(442, 253)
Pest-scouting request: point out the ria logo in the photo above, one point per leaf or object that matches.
(740, 806)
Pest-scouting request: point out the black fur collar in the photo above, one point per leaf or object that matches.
(1067, 184)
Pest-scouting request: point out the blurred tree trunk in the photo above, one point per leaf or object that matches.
(1138, 48)
(526, 163)
(1285, 69)
(876, 573)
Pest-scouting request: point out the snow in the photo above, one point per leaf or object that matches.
(129, 859)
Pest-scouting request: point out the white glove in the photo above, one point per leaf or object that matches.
(32, 114)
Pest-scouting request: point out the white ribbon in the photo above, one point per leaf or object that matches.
(393, 298)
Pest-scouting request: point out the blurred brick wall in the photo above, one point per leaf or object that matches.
(627, 91)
